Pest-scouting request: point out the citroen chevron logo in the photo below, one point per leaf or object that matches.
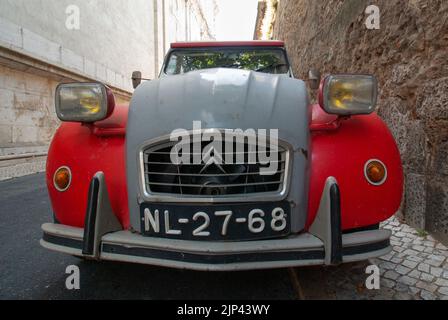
(211, 156)
(219, 151)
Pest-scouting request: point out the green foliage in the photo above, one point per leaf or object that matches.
(422, 233)
(228, 58)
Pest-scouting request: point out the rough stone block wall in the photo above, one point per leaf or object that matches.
(409, 55)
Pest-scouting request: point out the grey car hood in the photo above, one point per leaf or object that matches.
(219, 98)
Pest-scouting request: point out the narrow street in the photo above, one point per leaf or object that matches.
(351, 96)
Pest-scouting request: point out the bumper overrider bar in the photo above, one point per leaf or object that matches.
(324, 244)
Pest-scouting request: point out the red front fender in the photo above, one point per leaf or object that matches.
(87, 149)
(342, 153)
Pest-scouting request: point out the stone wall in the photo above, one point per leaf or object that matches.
(26, 113)
(408, 54)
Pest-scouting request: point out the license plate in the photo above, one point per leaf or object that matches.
(216, 222)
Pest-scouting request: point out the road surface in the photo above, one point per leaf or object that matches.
(28, 271)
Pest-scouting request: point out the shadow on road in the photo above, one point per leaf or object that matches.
(110, 280)
(28, 271)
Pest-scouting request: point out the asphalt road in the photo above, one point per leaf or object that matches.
(28, 271)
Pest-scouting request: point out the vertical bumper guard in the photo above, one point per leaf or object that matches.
(100, 218)
(327, 224)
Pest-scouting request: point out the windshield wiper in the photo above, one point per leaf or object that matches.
(274, 65)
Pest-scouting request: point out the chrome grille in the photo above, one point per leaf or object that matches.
(200, 180)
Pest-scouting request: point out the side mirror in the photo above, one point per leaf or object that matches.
(314, 79)
(136, 79)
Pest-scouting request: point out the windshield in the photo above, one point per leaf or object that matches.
(268, 60)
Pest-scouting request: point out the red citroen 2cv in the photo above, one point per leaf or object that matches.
(222, 163)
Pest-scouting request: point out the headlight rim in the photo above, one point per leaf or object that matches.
(107, 102)
(324, 95)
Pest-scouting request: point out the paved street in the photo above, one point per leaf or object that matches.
(28, 271)
(418, 265)
(416, 269)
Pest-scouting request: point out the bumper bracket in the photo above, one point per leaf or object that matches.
(327, 224)
(100, 218)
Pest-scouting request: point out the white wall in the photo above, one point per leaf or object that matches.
(115, 36)
(37, 51)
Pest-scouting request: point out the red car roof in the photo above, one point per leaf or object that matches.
(203, 44)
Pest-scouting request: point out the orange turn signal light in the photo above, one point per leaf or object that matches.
(62, 179)
(375, 172)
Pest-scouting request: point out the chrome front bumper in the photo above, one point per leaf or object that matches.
(324, 244)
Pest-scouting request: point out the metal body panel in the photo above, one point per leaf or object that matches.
(342, 152)
(228, 98)
(221, 99)
(86, 150)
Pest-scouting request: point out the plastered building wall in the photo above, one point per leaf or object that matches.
(38, 51)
